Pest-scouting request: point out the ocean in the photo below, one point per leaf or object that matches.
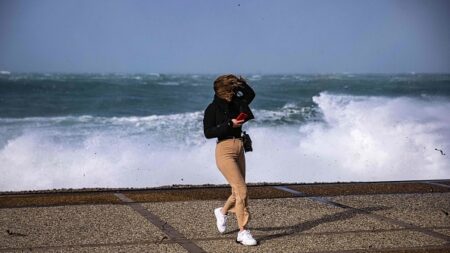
(145, 130)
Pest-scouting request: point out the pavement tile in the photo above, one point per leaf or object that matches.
(424, 210)
(195, 219)
(150, 248)
(307, 242)
(73, 225)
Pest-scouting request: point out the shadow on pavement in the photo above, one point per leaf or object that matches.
(304, 226)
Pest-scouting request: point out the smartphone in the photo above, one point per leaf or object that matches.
(242, 116)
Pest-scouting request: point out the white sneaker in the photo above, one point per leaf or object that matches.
(221, 220)
(245, 238)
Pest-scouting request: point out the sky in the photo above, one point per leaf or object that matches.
(205, 36)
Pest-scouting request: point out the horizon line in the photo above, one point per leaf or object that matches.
(8, 72)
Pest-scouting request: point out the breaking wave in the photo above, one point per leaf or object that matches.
(340, 138)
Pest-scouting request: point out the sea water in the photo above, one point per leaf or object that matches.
(145, 130)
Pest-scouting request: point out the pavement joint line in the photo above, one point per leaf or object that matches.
(86, 245)
(166, 228)
(374, 215)
(438, 184)
(287, 189)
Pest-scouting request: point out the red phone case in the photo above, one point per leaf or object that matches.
(242, 116)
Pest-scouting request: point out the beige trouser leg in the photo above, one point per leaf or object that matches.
(230, 160)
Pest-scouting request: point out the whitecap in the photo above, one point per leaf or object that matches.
(169, 83)
(255, 78)
(154, 74)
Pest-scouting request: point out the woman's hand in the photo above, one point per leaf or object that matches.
(237, 123)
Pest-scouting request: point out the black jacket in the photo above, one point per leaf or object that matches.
(217, 118)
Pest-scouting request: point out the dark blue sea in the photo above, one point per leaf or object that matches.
(144, 130)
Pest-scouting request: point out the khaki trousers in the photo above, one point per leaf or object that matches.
(230, 160)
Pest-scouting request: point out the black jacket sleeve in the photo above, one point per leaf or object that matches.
(248, 93)
(210, 128)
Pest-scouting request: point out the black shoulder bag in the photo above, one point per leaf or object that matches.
(247, 142)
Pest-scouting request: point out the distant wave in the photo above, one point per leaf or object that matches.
(169, 83)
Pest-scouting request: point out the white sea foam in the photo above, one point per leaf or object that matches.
(360, 139)
(35, 162)
(363, 139)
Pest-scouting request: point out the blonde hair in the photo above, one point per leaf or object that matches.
(225, 86)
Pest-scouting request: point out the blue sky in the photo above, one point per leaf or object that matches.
(187, 36)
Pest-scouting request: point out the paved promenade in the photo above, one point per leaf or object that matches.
(400, 216)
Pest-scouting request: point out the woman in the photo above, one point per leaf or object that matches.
(232, 97)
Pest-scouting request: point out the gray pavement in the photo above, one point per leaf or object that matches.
(287, 224)
(74, 225)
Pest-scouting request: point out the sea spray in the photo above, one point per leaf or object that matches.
(361, 139)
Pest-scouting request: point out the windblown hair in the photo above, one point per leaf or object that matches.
(225, 86)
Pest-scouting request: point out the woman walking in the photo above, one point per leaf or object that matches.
(221, 121)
